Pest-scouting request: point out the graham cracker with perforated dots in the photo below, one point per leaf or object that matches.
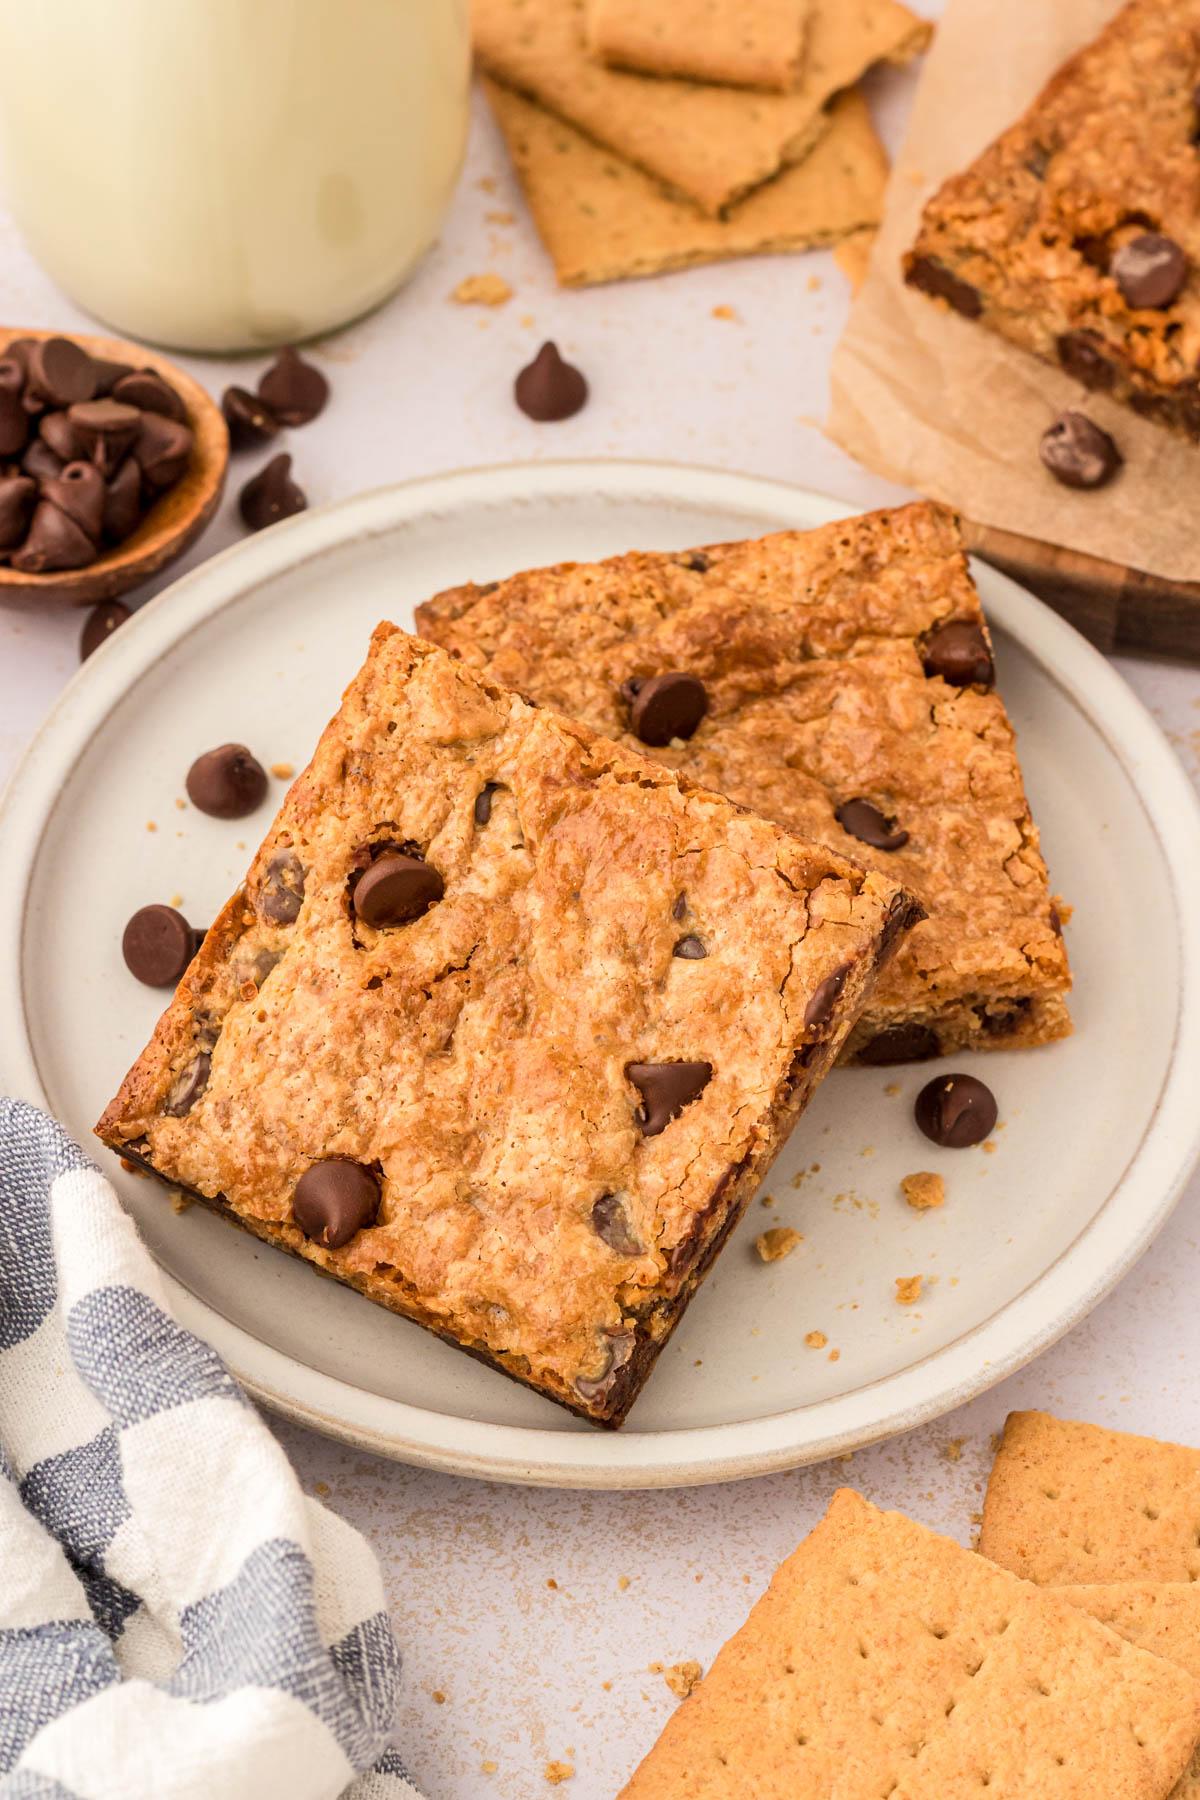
(886, 1661)
(1075, 1503)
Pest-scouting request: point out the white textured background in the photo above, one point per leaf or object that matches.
(502, 1666)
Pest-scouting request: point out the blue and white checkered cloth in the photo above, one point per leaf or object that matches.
(177, 1621)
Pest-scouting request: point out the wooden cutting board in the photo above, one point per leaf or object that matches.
(1116, 608)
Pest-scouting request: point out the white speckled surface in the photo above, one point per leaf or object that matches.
(421, 386)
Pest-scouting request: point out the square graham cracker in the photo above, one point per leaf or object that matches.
(744, 43)
(818, 655)
(710, 144)
(1074, 1503)
(885, 1660)
(603, 219)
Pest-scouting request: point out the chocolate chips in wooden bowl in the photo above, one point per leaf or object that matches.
(112, 461)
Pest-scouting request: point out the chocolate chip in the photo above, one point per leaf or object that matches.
(104, 431)
(1081, 355)
(17, 350)
(55, 541)
(679, 906)
(1078, 453)
(1038, 160)
(668, 706)
(188, 1086)
(396, 889)
(698, 561)
(158, 945)
(619, 1347)
(335, 1200)
(56, 429)
(14, 423)
(271, 495)
(108, 374)
(260, 966)
(40, 461)
(123, 502)
(610, 1222)
(933, 278)
(100, 624)
(869, 825)
(18, 495)
(549, 388)
(162, 450)
(80, 493)
(227, 783)
(666, 1088)
(12, 377)
(483, 801)
(825, 997)
(282, 890)
(955, 1111)
(958, 652)
(1149, 270)
(250, 422)
(1056, 921)
(59, 372)
(690, 948)
(1005, 1020)
(899, 1044)
(293, 389)
(146, 389)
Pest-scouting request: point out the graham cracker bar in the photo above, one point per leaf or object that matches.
(1076, 234)
(746, 43)
(831, 708)
(505, 1026)
(1074, 1503)
(710, 144)
(885, 1660)
(602, 219)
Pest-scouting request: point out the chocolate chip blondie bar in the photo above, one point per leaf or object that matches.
(506, 1025)
(840, 682)
(1077, 233)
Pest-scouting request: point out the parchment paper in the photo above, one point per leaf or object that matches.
(939, 403)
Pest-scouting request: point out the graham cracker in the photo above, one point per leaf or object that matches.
(887, 1661)
(711, 144)
(1075, 1503)
(602, 219)
(744, 43)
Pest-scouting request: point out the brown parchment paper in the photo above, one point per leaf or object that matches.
(937, 402)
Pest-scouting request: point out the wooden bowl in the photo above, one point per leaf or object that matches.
(172, 523)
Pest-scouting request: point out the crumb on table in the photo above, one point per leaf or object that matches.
(489, 1768)
(952, 1451)
(815, 1340)
(723, 312)
(283, 771)
(778, 1242)
(908, 1289)
(683, 1678)
(482, 290)
(622, 1582)
(923, 1190)
(179, 1200)
(559, 1771)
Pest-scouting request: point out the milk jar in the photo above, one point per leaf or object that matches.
(231, 174)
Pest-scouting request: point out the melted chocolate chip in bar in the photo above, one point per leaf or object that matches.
(483, 802)
(282, 892)
(611, 1223)
(690, 948)
(1150, 270)
(900, 1044)
(825, 997)
(869, 825)
(666, 1088)
(335, 1200)
(958, 652)
(666, 706)
(396, 889)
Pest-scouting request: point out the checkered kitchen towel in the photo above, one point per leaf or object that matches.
(177, 1620)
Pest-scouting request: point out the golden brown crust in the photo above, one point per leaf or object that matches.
(477, 1056)
(810, 648)
(1022, 240)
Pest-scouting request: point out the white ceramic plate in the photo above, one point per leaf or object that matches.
(1097, 1134)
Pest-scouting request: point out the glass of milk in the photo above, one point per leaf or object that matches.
(231, 174)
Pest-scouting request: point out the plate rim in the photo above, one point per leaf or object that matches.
(1138, 1204)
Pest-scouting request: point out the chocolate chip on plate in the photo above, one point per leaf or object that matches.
(18, 495)
(1149, 270)
(690, 948)
(666, 1088)
(100, 624)
(825, 997)
(271, 495)
(483, 802)
(227, 783)
(58, 371)
(158, 944)
(610, 1222)
(667, 706)
(899, 1044)
(251, 422)
(334, 1200)
(396, 889)
(55, 541)
(1078, 453)
(293, 389)
(955, 1111)
(104, 431)
(958, 652)
(14, 423)
(869, 825)
(146, 389)
(549, 388)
